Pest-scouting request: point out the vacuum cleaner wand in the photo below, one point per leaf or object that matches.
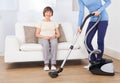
(55, 73)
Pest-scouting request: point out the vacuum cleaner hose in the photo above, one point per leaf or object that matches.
(95, 51)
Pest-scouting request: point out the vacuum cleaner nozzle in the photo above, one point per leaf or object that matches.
(53, 74)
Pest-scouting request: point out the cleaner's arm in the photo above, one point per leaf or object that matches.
(81, 14)
(107, 3)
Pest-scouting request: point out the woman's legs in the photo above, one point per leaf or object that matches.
(102, 27)
(54, 45)
(45, 44)
(49, 48)
(53, 51)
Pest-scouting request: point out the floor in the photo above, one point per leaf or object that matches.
(32, 72)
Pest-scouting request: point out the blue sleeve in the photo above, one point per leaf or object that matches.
(107, 3)
(81, 13)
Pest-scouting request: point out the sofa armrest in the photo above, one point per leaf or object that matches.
(11, 45)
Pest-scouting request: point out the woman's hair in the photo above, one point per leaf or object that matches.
(47, 9)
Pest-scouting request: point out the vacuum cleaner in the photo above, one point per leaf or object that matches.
(102, 67)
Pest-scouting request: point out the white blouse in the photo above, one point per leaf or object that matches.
(47, 28)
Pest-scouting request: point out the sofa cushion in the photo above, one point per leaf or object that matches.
(30, 47)
(66, 46)
(29, 32)
(19, 30)
(62, 37)
(38, 47)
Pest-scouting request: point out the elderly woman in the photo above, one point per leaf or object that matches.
(47, 33)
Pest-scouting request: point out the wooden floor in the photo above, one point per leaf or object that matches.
(73, 72)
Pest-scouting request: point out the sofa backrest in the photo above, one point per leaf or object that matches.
(19, 30)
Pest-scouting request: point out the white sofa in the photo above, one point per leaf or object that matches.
(16, 50)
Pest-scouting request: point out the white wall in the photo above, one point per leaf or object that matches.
(7, 21)
(112, 44)
(112, 39)
(1, 37)
(63, 12)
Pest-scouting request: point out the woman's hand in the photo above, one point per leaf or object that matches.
(46, 37)
(52, 37)
(96, 13)
(79, 30)
(49, 37)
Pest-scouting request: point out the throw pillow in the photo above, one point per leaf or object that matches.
(62, 37)
(30, 34)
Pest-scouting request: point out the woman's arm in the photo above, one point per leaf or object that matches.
(107, 3)
(37, 33)
(81, 13)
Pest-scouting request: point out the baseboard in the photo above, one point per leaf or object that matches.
(112, 53)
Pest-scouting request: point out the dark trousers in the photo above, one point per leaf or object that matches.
(100, 28)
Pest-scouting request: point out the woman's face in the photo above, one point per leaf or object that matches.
(48, 14)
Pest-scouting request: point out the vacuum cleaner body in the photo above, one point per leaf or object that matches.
(104, 67)
(101, 66)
